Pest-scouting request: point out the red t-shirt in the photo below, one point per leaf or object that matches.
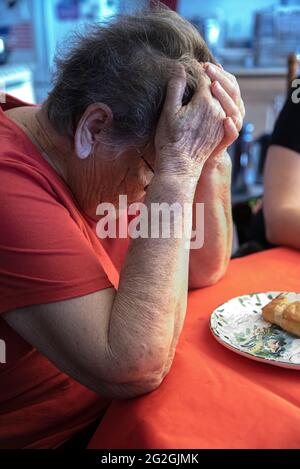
(49, 251)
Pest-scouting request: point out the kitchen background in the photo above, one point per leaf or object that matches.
(251, 38)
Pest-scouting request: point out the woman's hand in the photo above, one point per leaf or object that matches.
(186, 136)
(225, 89)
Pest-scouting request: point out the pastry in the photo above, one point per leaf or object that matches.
(284, 311)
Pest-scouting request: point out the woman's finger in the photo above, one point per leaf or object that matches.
(230, 76)
(242, 108)
(175, 90)
(227, 103)
(202, 89)
(229, 83)
(230, 129)
(230, 132)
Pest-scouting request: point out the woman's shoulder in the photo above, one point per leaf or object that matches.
(21, 163)
(286, 131)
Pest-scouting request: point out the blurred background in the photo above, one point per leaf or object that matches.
(251, 38)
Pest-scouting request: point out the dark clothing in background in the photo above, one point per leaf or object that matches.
(287, 128)
(286, 133)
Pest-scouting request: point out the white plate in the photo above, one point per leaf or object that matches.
(238, 325)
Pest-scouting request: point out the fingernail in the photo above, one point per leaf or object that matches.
(210, 68)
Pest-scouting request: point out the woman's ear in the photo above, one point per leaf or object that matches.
(95, 119)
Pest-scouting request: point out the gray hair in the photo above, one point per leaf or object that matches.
(125, 64)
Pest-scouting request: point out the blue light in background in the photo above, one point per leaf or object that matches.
(108, 8)
(2, 48)
(213, 34)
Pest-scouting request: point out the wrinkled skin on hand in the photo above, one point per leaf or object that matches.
(187, 136)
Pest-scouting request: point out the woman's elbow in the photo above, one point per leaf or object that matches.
(216, 276)
(134, 389)
(207, 280)
(138, 380)
(273, 231)
(272, 236)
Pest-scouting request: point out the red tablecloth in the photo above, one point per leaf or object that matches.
(212, 397)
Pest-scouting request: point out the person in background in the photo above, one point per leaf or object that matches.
(137, 109)
(282, 178)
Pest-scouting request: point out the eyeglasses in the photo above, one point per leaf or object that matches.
(143, 158)
(147, 164)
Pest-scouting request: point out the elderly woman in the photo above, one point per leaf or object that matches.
(137, 94)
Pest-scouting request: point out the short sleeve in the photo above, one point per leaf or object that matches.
(44, 254)
(287, 128)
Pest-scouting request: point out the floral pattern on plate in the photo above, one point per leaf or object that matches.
(238, 324)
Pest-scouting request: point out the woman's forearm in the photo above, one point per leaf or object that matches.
(150, 304)
(283, 227)
(208, 264)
